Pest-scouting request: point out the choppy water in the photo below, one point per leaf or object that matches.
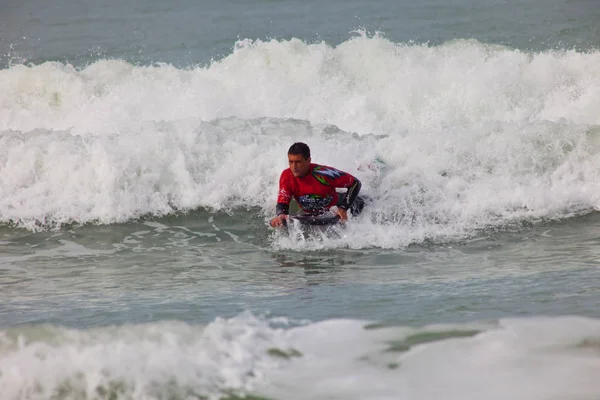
(140, 149)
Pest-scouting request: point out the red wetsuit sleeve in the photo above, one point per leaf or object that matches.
(345, 180)
(334, 177)
(285, 188)
(285, 193)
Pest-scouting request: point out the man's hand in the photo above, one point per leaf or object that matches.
(278, 221)
(342, 214)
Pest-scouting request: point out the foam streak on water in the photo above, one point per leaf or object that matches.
(336, 359)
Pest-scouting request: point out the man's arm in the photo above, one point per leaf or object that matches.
(283, 201)
(339, 179)
(351, 195)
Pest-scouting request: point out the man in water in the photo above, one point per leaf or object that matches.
(313, 187)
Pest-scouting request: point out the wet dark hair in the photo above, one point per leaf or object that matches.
(300, 148)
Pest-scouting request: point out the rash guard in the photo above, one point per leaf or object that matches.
(315, 192)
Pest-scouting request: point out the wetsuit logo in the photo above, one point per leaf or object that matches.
(314, 202)
(320, 172)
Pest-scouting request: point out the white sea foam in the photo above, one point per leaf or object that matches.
(363, 85)
(466, 136)
(536, 358)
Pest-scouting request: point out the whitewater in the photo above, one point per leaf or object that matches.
(447, 139)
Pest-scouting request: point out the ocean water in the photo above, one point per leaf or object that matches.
(141, 144)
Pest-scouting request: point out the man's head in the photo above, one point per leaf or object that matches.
(299, 159)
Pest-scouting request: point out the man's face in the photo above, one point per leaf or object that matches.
(299, 165)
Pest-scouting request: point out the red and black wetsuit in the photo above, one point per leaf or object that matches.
(315, 192)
